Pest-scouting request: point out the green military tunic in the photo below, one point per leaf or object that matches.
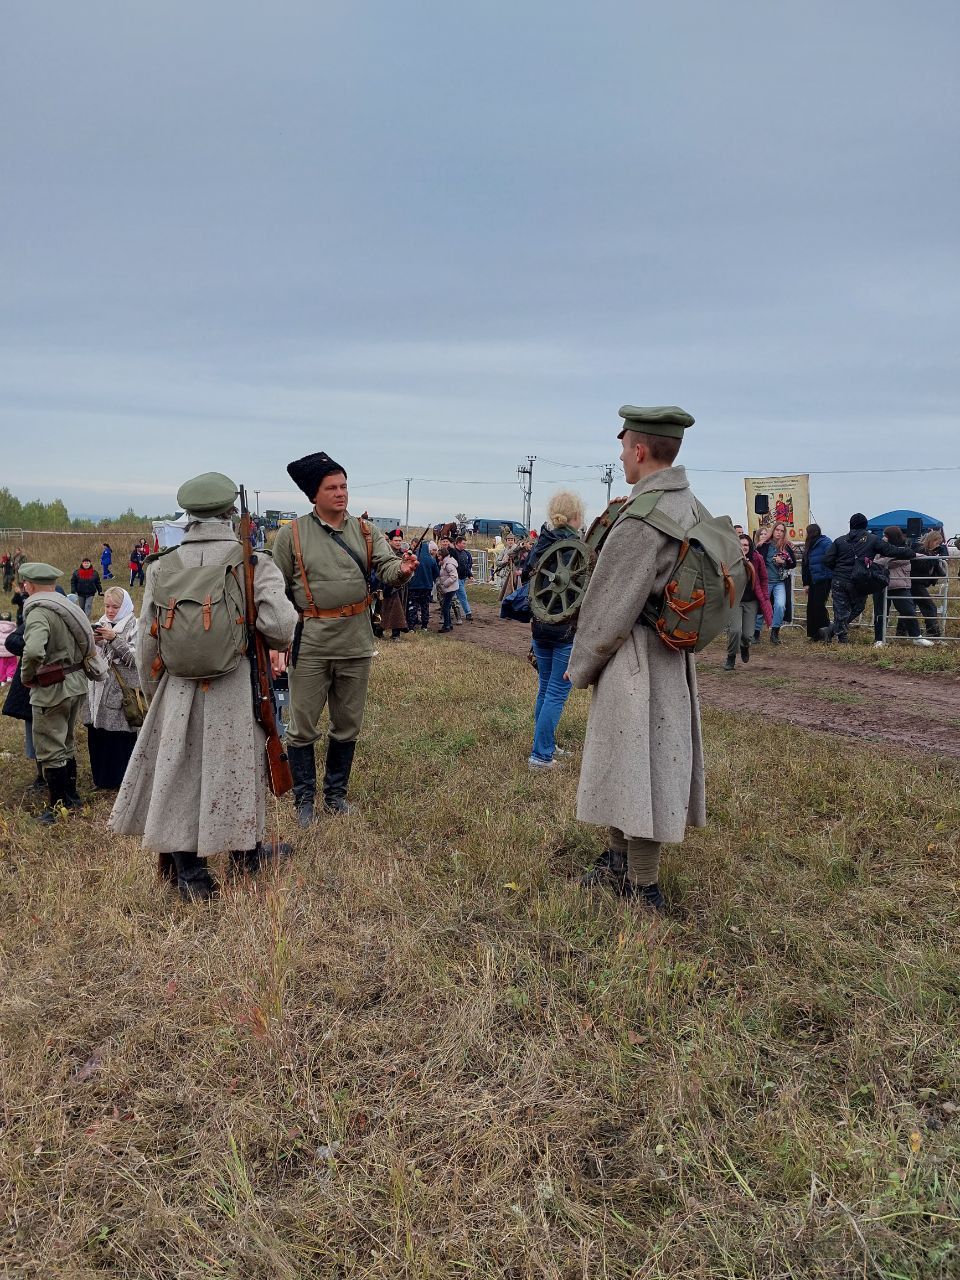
(333, 659)
(334, 580)
(47, 638)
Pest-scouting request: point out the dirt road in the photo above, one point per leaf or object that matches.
(913, 712)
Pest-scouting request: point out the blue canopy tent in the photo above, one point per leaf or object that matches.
(900, 518)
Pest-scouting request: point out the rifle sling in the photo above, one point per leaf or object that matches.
(339, 540)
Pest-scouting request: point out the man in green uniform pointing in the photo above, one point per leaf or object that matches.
(59, 652)
(326, 558)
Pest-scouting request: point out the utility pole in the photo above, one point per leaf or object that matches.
(526, 484)
(406, 521)
(606, 477)
(257, 492)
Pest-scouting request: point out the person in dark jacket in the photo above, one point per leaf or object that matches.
(137, 558)
(464, 560)
(106, 560)
(85, 584)
(552, 642)
(928, 569)
(849, 560)
(421, 585)
(816, 579)
(393, 608)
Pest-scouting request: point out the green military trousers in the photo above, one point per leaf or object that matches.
(54, 729)
(339, 684)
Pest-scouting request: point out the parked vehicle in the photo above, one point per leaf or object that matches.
(484, 528)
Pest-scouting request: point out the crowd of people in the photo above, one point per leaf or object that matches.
(183, 746)
(858, 567)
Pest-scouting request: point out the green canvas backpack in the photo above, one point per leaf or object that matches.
(199, 618)
(698, 601)
(707, 582)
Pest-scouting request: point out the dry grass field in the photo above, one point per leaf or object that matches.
(422, 1051)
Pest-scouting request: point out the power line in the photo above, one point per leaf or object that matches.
(854, 471)
(553, 463)
(603, 467)
(382, 484)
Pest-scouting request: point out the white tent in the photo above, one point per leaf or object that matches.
(169, 533)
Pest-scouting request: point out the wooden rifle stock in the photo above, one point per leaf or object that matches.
(278, 766)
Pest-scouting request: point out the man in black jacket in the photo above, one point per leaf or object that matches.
(849, 558)
(464, 574)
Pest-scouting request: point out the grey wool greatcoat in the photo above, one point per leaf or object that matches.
(197, 779)
(642, 767)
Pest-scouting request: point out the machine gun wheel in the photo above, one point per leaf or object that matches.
(560, 580)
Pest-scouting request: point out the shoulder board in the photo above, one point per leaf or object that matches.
(156, 555)
(642, 505)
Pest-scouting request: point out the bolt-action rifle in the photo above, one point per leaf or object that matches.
(264, 704)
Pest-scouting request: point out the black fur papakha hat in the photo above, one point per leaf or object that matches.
(308, 473)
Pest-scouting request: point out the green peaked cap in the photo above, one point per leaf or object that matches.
(37, 571)
(655, 420)
(211, 494)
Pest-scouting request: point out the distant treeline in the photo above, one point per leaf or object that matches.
(55, 517)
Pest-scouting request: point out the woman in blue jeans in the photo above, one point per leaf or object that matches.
(552, 642)
(779, 558)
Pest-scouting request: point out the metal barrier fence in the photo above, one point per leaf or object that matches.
(937, 608)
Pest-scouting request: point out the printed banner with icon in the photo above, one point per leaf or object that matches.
(778, 499)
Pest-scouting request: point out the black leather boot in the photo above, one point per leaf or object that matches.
(57, 784)
(303, 766)
(39, 782)
(608, 872)
(645, 895)
(194, 881)
(72, 798)
(247, 862)
(337, 775)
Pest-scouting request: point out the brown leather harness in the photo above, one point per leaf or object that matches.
(343, 610)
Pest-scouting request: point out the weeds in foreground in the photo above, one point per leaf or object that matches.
(424, 1052)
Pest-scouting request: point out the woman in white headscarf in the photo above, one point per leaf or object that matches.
(110, 737)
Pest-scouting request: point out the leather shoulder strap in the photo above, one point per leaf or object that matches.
(154, 556)
(644, 507)
(299, 556)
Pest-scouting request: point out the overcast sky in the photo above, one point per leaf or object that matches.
(433, 238)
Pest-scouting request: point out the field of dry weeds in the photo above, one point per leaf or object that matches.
(423, 1051)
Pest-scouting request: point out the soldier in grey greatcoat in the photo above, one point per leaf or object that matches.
(642, 773)
(197, 780)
